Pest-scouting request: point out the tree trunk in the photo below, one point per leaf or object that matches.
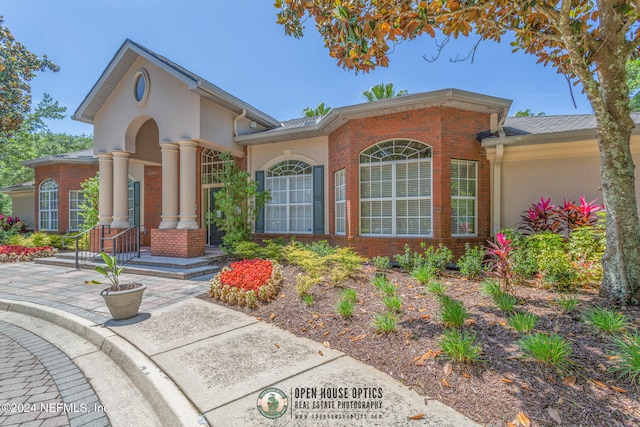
(621, 261)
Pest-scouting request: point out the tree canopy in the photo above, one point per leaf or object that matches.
(588, 42)
(320, 110)
(382, 91)
(32, 140)
(527, 113)
(18, 66)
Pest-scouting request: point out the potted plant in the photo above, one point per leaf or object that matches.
(123, 301)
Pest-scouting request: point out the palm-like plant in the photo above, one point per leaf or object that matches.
(382, 91)
(320, 110)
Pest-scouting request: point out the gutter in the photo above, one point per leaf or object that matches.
(235, 121)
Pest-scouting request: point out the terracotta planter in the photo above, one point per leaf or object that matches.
(123, 304)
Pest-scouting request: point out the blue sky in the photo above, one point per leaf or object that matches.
(237, 46)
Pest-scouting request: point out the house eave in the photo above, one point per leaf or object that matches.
(453, 98)
(545, 138)
(122, 62)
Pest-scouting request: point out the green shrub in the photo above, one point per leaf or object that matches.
(552, 349)
(345, 308)
(248, 250)
(568, 303)
(437, 258)
(393, 303)
(460, 346)
(587, 243)
(409, 260)
(436, 288)
(321, 248)
(491, 288)
(452, 312)
(605, 321)
(424, 273)
(627, 350)
(346, 259)
(305, 282)
(523, 322)
(381, 262)
(384, 285)
(385, 323)
(308, 300)
(349, 295)
(505, 302)
(472, 264)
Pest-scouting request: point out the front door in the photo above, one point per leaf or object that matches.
(214, 235)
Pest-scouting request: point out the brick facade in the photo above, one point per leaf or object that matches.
(68, 177)
(152, 201)
(178, 243)
(451, 133)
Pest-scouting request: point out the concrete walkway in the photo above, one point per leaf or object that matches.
(196, 363)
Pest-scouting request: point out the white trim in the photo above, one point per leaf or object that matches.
(473, 198)
(288, 156)
(343, 202)
(147, 87)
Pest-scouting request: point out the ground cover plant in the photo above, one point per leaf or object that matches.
(555, 365)
(507, 331)
(14, 253)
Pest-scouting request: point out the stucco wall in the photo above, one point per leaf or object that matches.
(22, 207)
(556, 170)
(170, 103)
(314, 151)
(216, 125)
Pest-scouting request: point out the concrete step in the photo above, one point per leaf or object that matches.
(180, 269)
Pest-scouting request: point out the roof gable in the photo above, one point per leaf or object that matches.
(122, 62)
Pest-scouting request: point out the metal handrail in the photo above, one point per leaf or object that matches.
(85, 255)
(125, 245)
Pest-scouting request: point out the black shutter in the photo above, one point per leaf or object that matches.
(260, 216)
(318, 199)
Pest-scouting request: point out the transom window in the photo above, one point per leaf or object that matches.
(48, 205)
(291, 207)
(395, 189)
(212, 167)
(464, 190)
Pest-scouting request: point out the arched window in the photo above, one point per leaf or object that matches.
(291, 207)
(212, 167)
(48, 205)
(395, 189)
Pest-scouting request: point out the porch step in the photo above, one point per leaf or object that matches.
(173, 268)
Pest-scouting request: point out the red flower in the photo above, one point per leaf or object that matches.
(247, 274)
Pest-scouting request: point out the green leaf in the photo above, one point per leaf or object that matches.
(93, 282)
(341, 12)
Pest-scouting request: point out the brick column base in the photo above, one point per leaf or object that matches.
(178, 243)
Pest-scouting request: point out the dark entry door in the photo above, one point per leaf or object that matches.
(214, 235)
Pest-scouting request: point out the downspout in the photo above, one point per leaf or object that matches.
(235, 121)
(497, 188)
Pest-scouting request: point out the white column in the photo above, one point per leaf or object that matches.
(105, 189)
(120, 189)
(187, 185)
(169, 185)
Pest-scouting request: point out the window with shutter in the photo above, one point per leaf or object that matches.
(290, 209)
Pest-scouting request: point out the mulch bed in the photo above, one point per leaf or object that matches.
(493, 392)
